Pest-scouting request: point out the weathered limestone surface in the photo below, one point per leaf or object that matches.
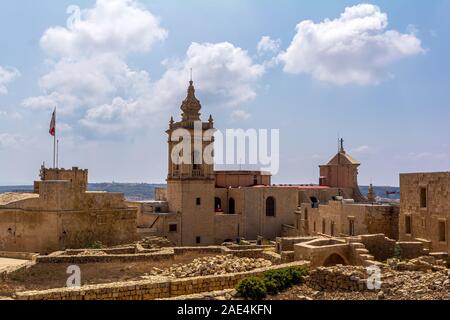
(159, 287)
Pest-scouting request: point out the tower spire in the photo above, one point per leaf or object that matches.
(191, 105)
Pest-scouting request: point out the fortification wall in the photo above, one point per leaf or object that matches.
(158, 288)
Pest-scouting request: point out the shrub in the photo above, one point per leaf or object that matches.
(95, 245)
(272, 282)
(252, 288)
(279, 280)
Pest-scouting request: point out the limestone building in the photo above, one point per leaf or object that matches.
(61, 214)
(204, 207)
(425, 209)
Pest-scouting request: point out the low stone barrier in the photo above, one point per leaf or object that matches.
(339, 278)
(158, 256)
(125, 250)
(158, 288)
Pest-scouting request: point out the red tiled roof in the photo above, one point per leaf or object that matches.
(294, 187)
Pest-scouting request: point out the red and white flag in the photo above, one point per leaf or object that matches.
(52, 130)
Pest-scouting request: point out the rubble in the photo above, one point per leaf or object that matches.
(206, 266)
(155, 243)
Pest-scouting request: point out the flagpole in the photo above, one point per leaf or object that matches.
(54, 144)
(54, 151)
(57, 153)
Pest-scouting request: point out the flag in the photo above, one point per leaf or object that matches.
(52, 130)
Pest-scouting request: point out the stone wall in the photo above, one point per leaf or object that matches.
(336, 217)
(149, 289)
(381, 247)
(425, 221)
(339, 278)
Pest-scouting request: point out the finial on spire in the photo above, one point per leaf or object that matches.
(192, 81)
(341, 145)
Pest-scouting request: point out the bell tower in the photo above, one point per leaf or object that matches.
(191, 179)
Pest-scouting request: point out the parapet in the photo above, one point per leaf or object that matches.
(78, 178)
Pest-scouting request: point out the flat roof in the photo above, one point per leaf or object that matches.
(11, 197)
(244, 172)
(293, 187)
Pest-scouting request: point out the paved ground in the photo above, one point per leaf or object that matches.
(6, 263)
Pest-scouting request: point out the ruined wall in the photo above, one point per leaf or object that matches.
(366, 219)
(150, 289)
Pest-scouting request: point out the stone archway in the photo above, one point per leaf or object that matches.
(333, 260)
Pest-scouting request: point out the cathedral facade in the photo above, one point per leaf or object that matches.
(202, 206)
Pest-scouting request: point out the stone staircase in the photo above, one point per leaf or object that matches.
(360, 253)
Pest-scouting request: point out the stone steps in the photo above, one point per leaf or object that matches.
(362, 251)
(367, 257)
(357, 245)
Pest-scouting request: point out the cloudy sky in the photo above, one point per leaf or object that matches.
(374, 73)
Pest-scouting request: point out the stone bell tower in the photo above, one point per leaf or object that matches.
(191, 180)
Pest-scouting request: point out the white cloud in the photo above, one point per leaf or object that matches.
(111, 26)
(240, 115)
(94, 87)
(220, 69)
(8, 140)
(355, 48)
(7, 75)
(10, 115)
(361, 150)
(268, 45)
(420, 156)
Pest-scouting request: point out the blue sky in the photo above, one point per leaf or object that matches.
(389, 100)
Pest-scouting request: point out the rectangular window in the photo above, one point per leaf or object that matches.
(315, 226)
(198, 240)
(173, 227)
(442, 231)
(158, 209)
(408, 225)
(332, 229)
(199, 201)
(323, 227)
(351, 227)
(423, 197)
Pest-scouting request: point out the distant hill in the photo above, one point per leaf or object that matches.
(132, 191)
(145, 191)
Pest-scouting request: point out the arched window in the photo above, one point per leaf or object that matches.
(270, 207)
(323, 226)
(231, 206)
(217, 204)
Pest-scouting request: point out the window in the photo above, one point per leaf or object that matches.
(198, 240)
(270, 207)
(218, 204)
(323, 226)
(314, 202)
(198, 201)
(315, 226)
(408, 225)
(255, 180)
(231, 206)
(173, 227)
(306, 214)
(351, 227)
(196, 160)
(158, 209)
(423, 197)
(332, 228)
(442, 231)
